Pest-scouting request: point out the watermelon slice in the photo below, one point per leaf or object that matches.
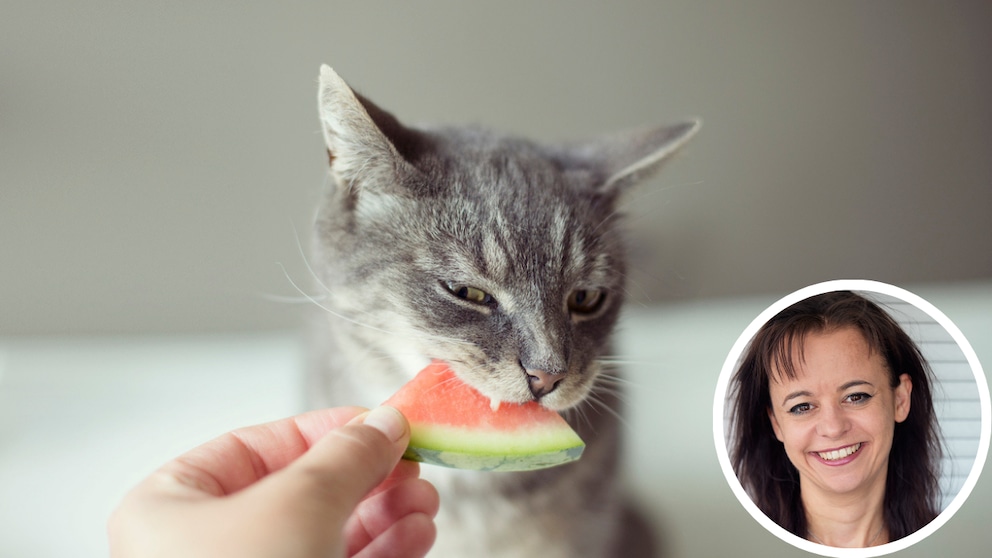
(454, 425)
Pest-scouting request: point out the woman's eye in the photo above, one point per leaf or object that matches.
(801, 409)
(859, 398)
(471, 294)
(585, 301)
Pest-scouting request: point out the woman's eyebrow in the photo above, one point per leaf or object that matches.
(854, 383)
(794, 395)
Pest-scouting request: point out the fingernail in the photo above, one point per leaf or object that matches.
(387, 420)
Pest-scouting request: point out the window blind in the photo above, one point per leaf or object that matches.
(955, 391)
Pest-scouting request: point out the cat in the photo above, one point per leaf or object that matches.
(504, 258)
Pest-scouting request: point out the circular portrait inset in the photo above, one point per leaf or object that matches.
(852, 418)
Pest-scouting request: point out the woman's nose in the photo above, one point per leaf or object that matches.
(832, 422)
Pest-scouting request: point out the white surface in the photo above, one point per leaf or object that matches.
(82, 420)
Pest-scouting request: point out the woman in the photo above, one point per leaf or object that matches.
(833, 427)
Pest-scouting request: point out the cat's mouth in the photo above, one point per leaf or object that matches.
(514, 384)
(495, 384)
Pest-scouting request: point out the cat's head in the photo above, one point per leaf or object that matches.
(497, 255)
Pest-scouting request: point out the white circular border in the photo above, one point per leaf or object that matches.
(719, 434)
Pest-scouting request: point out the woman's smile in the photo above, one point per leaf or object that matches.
(839, 456)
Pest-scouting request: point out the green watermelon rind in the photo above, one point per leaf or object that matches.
(493, 451)
(493, 462)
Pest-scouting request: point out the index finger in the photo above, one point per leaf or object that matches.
(240, 458)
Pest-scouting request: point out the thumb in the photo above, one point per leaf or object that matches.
(333, 476)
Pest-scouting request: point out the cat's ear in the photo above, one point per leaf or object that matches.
(623, 159)
(362, 139)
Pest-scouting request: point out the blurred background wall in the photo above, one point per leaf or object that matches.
(159, 162)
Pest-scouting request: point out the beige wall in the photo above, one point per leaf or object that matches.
(156, 159)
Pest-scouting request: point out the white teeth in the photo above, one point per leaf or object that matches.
(839, 454)
(494, 404)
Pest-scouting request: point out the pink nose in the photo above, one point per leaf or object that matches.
(542, 383)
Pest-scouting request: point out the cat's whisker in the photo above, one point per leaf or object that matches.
(614, 215)
(325, 308)
(441, 338)
(617, 385)
(608, 365)
(313, 274)
(613, 384)
(621, 402)
(628, 283)
(579, 414)
(617, 360)
(597, 403)
(616, 391)
(316, 278)
(285, 299)
(614, 375)
(318, 300)
(439, 385)
(306, 261)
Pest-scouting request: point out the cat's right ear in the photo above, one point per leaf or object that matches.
(623, 159)
(360, 154)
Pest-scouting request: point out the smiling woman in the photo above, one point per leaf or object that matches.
(836, 417)
(833, 429)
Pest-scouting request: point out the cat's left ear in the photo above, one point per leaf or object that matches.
(625, 158)
(366, 146)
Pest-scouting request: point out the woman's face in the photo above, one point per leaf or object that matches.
(837, 417)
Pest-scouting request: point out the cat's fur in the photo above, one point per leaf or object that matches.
(416, 215)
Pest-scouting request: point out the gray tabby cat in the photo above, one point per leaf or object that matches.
(505, 259)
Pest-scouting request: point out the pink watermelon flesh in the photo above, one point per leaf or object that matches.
(454, 425)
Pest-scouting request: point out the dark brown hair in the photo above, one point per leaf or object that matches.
(759, 459)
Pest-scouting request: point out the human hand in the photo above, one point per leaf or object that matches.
(326, 483)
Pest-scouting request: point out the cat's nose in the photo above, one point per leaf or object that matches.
(541, 382)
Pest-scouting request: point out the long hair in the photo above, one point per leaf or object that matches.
(759, 459)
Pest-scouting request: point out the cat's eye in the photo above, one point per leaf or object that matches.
(471, 294)
(585, 301)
